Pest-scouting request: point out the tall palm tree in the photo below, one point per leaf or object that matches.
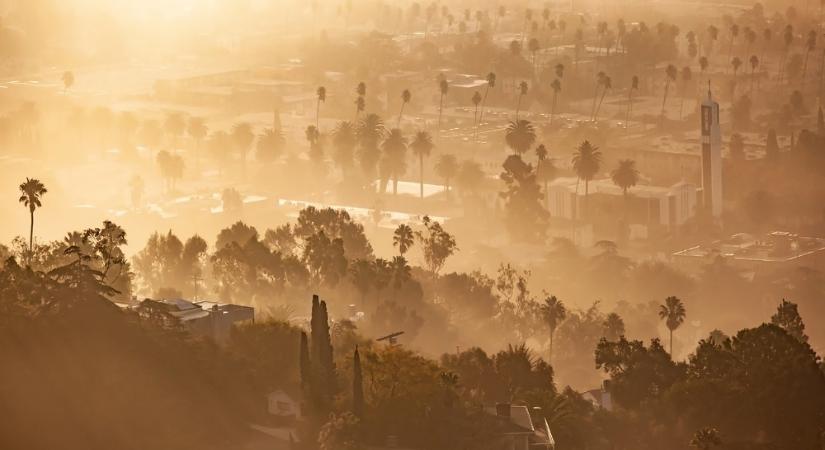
(520, 136)
(787, 37)
(545, 170)
(476, 100)
(533, 46)
(599, 82)
(321, 93)
(313, 137)
(673, 313)
(522, 91)
(767, 35)
(587, 160)
(607, 84)
(344, 139)
(403, 238)
(736, 63)
(754, 61)
(556, 86)
(670, 77)
(394, 161)
(446, 167)
(491, 83)
(369, 132)
(421, 145)
(553, 312)
(734, 33)
(810, 45)
(406, 96)
(687, 76)
(360, 103)
(31, 192)
(443, 87)
(625, 176)
(634, 86)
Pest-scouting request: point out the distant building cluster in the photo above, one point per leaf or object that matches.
(772, 250)
(202, 318)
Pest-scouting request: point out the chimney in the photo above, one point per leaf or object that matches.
(503, 409)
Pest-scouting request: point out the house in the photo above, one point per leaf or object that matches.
(522, 430)
(600, 398)
(202, 318)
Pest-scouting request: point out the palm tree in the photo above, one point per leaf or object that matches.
(706, 438)
(687, 75)
(313, 137)
(242, 138)
(321, 93)
(556, 86)
(554, 312)
(403, 238)
(360, 103)
(196, 129)
(476, 100)
(545, 171)
(369, 132)
(422, 145)
(673, 313)
(68, 80)
(31, 192)
(491, 83)
(522, 91)
(587, 160)
(613, 327)
(599, 82)
(405, 98)
(810, 45)
(394, 161)
(443, 87)
(734, 33)
(754, 60)
(767, 35)
(634, 86)
(670, 76)
(736, 63)
(787, 37)
(625, 176)
(520, 136)
(344, 139)
(607, 84)
(446, 167)
(533, 46)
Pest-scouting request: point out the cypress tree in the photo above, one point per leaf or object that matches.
(306, 374)
(357, 386)
(326, 366)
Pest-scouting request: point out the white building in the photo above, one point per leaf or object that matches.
(647, 205)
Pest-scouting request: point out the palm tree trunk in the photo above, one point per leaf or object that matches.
(518, 106)
(629, 107)
(421, 166)
(593, 108)
(31, 236)
(671, 343)
(317, 112)
(599, 107)
(400, 113)
(553, 108)
(440, 109)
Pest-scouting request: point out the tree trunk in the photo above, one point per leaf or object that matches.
(440, 109)
(553, 109)
(421, 166)
(671, 343)
(31, 236)
(400, 113)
